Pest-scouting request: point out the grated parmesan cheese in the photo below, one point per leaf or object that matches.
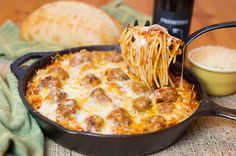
(217, 57)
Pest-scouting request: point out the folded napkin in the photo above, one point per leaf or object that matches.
(11, 45)
(19, 133)
(124, 13)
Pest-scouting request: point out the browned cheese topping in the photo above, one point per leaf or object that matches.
(89, 91)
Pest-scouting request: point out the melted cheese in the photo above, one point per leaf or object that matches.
(120, 92)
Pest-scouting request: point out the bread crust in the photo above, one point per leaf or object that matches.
(70, 24)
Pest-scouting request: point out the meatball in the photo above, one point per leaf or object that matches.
(142, 104)
(139, 87)
(61, 73)
(100, 95)
(94, 123)
(56, 95)
(115, 74)
(185, 84)
(50, 82)
(120, 117)
(85, 57)
(64, 109)
(166, 107)
(165, 94)
(90, 80)
(153, 123)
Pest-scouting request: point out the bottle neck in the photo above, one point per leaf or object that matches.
(175, 15)
(174, 5)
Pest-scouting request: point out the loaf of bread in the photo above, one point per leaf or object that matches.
(70, 24)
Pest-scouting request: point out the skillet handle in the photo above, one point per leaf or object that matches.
(15, 66)
(211, 108)
(201, 31)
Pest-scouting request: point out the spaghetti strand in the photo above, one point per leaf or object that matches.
(148, 53)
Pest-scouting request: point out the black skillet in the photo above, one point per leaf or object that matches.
(99, 144)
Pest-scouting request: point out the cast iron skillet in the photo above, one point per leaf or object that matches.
(99, 144)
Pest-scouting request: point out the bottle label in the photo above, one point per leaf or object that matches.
(177, 23)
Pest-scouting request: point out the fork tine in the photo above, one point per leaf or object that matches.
(136, 23)
(147, 23)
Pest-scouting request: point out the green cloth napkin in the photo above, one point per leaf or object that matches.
(124, 13)
(19, 133)
(13, 47)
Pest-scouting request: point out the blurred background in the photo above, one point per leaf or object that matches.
(205, 12)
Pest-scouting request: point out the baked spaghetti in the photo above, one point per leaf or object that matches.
(148, 51)
(89, 91)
